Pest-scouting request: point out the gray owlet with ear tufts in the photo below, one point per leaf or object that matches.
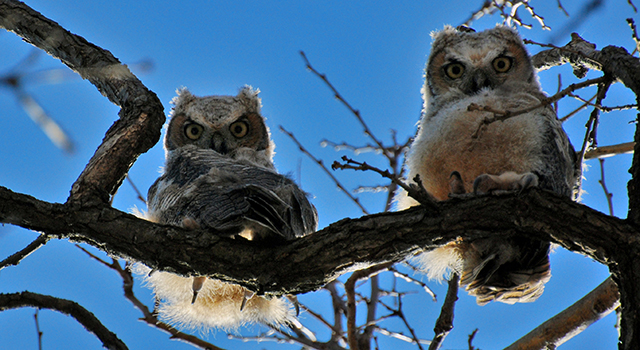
(219, 175)
(452, 153)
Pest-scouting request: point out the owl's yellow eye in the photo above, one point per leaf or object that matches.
(239, 129)
(502, 64)
(454, 70)
(193, 131)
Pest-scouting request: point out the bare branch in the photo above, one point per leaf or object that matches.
(470, 341)
(38, 331)
(339, 97)
(571, 321)
(149, 317)
(410, 279)
(302, 265)
(416, 192)
(499, 115)
(16, 257)
(607, 194)
(349, 287)
(68, 307)
(142, 114)
(444, 324)
(324, 168)
(608, 151)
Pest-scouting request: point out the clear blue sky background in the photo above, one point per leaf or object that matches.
(374, 55)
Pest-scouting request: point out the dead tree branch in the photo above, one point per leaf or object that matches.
(16, 257)
(561, 327)
(68, 307)
(141, 116)
(444, 324)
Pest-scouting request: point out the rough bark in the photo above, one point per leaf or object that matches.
(310, 262)
(141, 116)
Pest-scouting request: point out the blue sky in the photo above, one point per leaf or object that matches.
(373, 54)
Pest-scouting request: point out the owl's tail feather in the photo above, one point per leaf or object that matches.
(506, 270)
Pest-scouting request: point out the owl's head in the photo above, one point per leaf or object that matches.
(463, 62)
(229, 125)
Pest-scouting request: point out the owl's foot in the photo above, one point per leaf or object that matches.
(456, 185)
(506, 182)
(198, 282)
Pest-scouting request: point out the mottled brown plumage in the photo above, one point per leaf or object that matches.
(219, 175)
(454, 152)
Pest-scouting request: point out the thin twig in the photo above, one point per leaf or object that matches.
(135, 189)
(444, 324)
(83, 316)
(590, 138)
(499, 115)
(410, 279)
(575, 111)
(470, 341)
(339, 97)
(417, 192)
(400, 314)
(149, 317)
(349, 288)
(15, 258)
(38, 331)
(323, 167)
(602, 183)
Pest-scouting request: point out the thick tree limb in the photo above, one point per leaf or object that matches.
(309, 263)
(71, 308)
(571, 321)
(141, 116)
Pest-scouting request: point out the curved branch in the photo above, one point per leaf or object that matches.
(68, 307)
(141, 116)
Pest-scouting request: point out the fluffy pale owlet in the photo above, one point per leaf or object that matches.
(451, 153)
(219, 175)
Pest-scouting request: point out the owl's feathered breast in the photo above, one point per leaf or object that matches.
(455, 139)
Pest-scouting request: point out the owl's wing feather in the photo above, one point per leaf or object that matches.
(232, 196)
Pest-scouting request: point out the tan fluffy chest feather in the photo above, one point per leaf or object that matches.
(450, 141)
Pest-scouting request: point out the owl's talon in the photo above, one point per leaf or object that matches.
(198, 282)
(247, 295)
(456, 184)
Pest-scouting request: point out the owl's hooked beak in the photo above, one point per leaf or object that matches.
(218, 144)
(479, 81)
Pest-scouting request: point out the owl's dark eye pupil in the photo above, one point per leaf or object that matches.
(501, 64)
(455, 70)
(239, 129)
(193, 131)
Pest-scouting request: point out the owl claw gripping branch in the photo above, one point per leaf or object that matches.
(491, 69)
(219, 175)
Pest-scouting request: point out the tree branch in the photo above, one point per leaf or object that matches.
(303, 265)
(68, 307)
(562, 327)
(141, 116)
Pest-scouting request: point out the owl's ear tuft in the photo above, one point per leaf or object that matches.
(184, 96)
(249, 97)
